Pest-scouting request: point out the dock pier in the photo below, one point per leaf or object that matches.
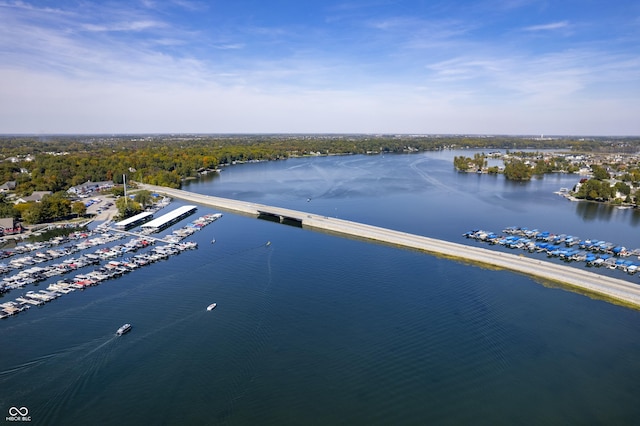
(138, 235)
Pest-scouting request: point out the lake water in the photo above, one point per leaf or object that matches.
(319, 329)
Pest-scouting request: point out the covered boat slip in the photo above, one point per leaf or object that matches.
(170, 218)
(134, 221)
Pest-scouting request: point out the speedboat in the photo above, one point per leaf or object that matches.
(211, 307)
(124, 329)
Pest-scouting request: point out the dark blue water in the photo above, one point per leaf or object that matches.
(318, 329)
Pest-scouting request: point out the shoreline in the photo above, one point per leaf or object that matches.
(610, 289)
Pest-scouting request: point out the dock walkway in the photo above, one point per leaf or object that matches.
(616, 290)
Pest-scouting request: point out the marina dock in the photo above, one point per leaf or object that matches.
(103, 260)
(617, 290)
(133, 221)
(169, 218)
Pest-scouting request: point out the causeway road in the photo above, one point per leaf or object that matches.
(612, 289)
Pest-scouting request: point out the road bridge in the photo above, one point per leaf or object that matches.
(612, 289)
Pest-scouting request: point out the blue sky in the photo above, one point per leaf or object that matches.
(377, 66)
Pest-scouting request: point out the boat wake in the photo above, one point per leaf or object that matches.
(415, 166)
(76, 366)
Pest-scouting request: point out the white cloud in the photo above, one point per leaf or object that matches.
(548, 27)
(229, 46)
(124, 26)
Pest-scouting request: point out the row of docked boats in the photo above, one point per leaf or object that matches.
(192, 227)
(40, 273)
(110, 270)
(28, 247)
(47, 255)
(105, 259)
(45, 251)
(566, 247)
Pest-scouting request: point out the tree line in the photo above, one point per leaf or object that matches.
(56, 163)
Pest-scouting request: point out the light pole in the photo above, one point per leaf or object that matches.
(124, 183)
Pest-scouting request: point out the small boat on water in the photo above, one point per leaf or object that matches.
(212, 306)
(124, 329)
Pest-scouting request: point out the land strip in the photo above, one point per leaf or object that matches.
(609, 288)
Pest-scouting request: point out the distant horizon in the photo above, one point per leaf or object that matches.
(380, 134)
(489, 67)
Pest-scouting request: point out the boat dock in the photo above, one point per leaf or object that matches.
(133, 221)
(139, 235)
(610, 288)
(103, 259)
(168, 219)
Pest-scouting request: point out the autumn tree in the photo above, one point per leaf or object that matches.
(144, 198)
(517, 170)
(78, 208)
(127, 207)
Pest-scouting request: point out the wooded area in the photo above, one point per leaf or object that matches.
(56, 163)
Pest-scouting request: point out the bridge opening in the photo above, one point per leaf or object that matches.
(268, 216)
(286, 220)
(291, 221)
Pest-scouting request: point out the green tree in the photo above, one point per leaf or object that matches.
(55, 206)
(144, 198)
(33, 213)
(517, 170)
(479, 161)
(7, 209)
(127, 208)
(78, 208)
(541, 167)
(594, 189)
(600, 172)
(461, 163)
(622, 188)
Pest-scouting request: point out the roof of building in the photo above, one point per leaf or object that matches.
(9, 185)
(133, 219)
(7, 222)
(172, 215)
(35, 196)
(89, 184)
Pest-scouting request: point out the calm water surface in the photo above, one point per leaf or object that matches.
(318, 329)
